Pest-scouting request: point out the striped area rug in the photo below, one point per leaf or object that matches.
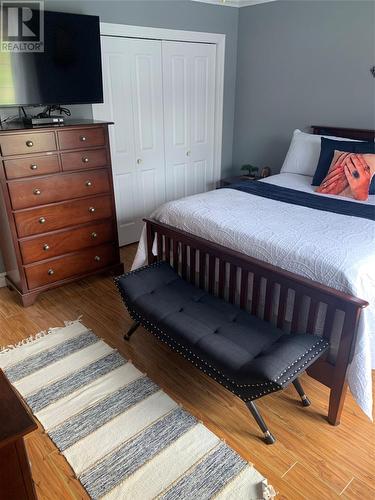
(122, 435)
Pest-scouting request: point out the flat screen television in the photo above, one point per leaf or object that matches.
(69, 70)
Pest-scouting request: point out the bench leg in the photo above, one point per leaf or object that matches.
(268, 437)
(131, 330)
(298, 386)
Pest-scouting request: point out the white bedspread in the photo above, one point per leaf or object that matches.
(333, 249)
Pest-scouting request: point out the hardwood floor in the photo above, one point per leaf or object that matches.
(310, 460)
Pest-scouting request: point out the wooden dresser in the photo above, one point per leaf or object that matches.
(57, 210)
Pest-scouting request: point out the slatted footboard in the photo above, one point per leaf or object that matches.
(292, 302)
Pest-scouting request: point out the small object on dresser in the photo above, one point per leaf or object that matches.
(252, 171)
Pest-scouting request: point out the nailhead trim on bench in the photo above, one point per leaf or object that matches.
(299, 359)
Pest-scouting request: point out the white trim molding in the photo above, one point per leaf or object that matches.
(218, 39)
(2, 280)
(235, 3)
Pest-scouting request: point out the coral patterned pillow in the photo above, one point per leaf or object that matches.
(349, 175)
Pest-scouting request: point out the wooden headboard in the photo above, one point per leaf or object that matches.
(349, 133)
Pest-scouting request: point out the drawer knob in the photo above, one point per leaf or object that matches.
(88, 183)
(94, 235)
(97, 258)
(82, 138)
(91, 210)
(139, 161)
(51, 272)
(85, 159)
(46, 247)
(42, 220)
(29, 144)
(33, 167)
(37, 192)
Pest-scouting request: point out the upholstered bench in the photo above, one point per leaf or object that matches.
(248, 356)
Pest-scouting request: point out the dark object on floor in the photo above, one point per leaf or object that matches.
(16, 422)
(247, 355)
(201, 262)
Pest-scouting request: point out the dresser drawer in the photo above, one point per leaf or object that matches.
(78, 160)
(30, 142)
(60, 215)
(71, 265)
(39, 191)
(66, 241)
(81, 138)
(30, 166)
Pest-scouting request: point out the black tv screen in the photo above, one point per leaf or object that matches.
(68, 71)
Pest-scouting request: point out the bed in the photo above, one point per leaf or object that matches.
(301, 268)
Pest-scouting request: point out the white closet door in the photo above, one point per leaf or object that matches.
(132, 79)
(189, 107)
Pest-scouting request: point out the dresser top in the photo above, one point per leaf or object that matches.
(16, 126)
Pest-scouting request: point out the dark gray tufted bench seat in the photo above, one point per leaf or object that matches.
(247, 355)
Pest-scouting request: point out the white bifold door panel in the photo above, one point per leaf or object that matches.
(133, 100)
(161, 97)
(189, 107)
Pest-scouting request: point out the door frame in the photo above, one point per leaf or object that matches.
(217, 39)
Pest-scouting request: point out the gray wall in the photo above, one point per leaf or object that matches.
(301, 63)
(176, 14)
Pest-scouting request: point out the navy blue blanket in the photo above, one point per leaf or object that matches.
(310, 200)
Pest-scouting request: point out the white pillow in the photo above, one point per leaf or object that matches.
(303, 153)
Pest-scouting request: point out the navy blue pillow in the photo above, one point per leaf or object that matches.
(327, 150)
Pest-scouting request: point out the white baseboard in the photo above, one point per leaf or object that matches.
(2, 280)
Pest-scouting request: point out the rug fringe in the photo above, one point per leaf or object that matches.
(36, 336)
(28, 340)
(69, 323)
(268, 490)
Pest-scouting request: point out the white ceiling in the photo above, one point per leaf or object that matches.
(235, 3)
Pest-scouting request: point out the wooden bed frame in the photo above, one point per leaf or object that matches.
(250, 283)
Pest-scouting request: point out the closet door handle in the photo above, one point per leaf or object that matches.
(139, 161)
(188, 153)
